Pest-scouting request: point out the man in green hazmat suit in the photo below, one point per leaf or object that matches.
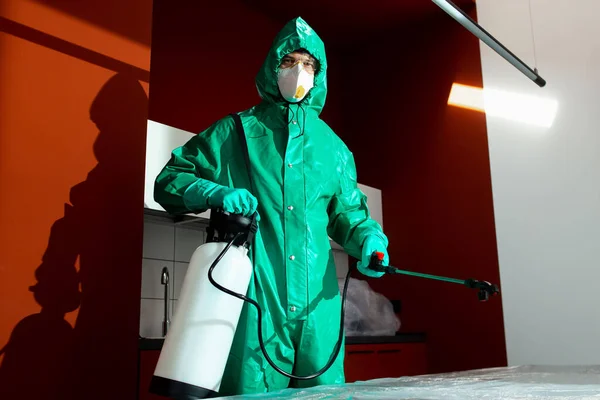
(304, 188)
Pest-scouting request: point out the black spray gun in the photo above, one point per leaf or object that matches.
(486, 289)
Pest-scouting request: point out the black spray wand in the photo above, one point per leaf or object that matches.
(486, 289)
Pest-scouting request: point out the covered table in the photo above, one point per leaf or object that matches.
(525, 382)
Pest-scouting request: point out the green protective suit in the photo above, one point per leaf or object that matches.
(305, 183)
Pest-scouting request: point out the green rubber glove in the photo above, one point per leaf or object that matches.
(236, 201)
(370, 245)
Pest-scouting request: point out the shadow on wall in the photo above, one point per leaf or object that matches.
(63, 46)
(83, 267)
(126, 18)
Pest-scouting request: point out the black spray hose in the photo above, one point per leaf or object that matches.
(485, 290)
(338, 345)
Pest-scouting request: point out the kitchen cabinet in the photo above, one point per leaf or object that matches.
(392, 360)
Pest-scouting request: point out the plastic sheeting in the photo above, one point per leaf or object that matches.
(368, 313)
(514, 383)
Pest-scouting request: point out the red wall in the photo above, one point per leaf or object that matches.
(204, 60)
(431, 161)
(205, 57)
(73, 109)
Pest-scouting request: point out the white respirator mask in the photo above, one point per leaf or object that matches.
(294, 83)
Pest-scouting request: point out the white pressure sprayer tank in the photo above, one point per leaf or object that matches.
(196, 348)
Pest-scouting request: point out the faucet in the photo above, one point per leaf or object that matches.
(164, 279)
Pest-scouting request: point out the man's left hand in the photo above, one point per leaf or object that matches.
(371, 245)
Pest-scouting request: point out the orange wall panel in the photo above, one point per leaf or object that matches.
(64, 19)
(73, 112)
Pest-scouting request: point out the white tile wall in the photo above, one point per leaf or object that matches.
(165, 245)
(151, 317)
(159, 239)
(187, 240)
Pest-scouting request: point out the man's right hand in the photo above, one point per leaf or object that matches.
(235, 201)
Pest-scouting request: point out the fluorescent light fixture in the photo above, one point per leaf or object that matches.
(462, 18)
(469, 97)
(532, 110)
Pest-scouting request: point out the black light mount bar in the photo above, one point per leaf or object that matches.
(467, 22)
